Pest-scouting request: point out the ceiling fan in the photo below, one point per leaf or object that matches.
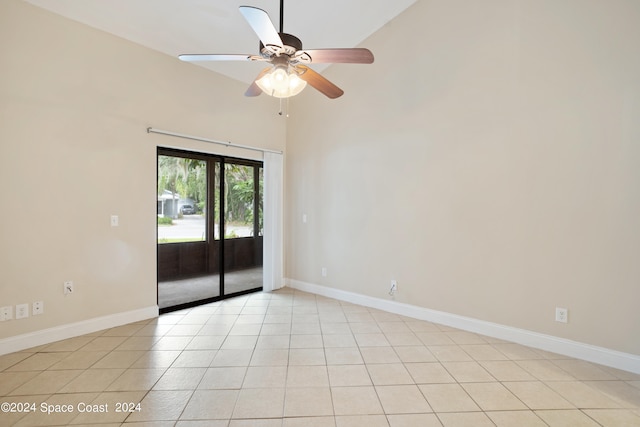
(288, 75)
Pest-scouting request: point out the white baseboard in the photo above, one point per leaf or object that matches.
(57, 333)
(603, 356)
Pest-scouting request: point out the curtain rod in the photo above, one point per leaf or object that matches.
(213, 141)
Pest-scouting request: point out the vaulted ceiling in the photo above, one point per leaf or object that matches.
(216, 26)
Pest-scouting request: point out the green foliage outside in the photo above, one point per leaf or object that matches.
(239, 195)
(165, 221)
(187, 179)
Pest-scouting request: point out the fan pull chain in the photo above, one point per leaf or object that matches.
(284, 112)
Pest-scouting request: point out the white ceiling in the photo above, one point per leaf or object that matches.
(216, 26)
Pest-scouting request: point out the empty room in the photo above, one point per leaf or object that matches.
(434, 221)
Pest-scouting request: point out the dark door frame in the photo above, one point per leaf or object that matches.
(211, 247)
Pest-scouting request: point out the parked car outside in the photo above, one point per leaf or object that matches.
(187, 210)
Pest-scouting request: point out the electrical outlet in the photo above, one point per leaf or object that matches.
(68, 287)
(562, 315)
(6, 313)
(22, 311)
(37, 308)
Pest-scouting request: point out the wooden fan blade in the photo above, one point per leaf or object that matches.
(319, 83)
(345, 56)
(214, 57)
(254, 89)
(261, 25)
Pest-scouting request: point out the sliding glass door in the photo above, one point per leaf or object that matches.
(209, 228)
(242, 224)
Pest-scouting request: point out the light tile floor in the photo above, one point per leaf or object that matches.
(293, 359)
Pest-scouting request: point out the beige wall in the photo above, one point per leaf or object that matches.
(74, 107)
(488, 161)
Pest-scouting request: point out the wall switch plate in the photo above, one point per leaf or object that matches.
(6, 313)
(68, 287)
(37, 308)
(22, 311)
(323, 271)
(115, 220)
(394, 287)
(562, 315)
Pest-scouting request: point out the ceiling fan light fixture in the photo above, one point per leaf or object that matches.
(288, 76)
(281, 82)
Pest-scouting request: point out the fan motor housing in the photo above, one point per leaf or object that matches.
(292, 44)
